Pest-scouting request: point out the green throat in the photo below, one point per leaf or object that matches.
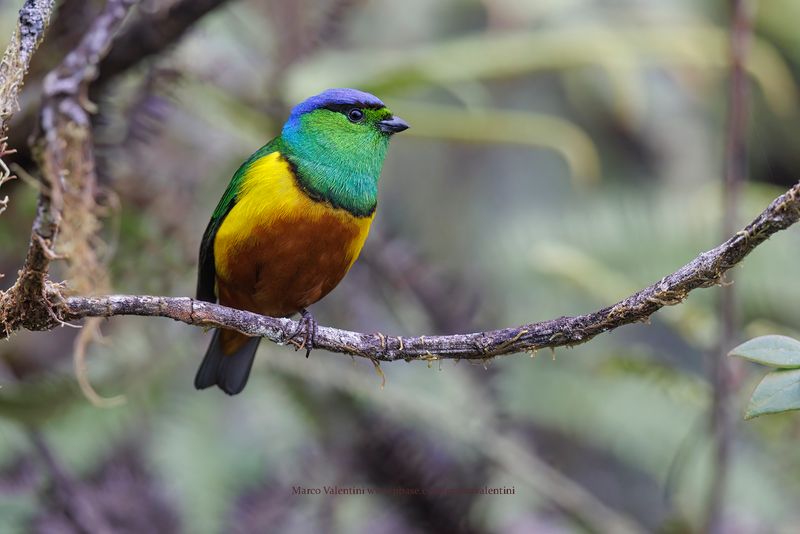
(335, 163)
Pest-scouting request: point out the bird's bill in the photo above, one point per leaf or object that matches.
(392, 125)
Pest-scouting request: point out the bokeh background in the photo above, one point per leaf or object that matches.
(563, 154)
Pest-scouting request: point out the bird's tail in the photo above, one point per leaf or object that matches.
(227, 361)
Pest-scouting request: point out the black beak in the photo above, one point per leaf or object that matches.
(393, 125)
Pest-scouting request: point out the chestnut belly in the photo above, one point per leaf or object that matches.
(287, 265)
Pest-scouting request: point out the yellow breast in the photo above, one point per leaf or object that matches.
(277, 248)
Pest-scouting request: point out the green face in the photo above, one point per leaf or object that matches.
(347, 129)
(351, 138)
(339, 154)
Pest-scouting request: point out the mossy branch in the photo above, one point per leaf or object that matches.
(66, 160)
(34, 17)
(705, 270)
(34, 303)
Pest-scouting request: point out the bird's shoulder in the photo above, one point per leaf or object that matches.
(270, 192)
(266, 156)
(207, 272)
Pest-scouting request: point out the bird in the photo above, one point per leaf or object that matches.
(292, 222)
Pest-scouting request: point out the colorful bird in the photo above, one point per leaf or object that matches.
(292, 221)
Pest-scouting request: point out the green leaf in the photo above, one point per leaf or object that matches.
(777, 392)
(775, 351)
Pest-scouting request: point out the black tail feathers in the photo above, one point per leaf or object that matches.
(229, 372)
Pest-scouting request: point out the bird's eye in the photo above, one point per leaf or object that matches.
(355, 115)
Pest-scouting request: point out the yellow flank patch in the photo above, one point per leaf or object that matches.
(270, 197)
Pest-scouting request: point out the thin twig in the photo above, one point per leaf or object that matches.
(5, 172)
(735, 167)
(448, 301)
(704, 271)
(69, 494)
(151, 33)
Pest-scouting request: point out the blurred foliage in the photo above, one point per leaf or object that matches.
(562, 155)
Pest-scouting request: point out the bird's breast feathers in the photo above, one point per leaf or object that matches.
(279, 250)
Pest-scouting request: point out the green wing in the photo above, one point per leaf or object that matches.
(207, 272)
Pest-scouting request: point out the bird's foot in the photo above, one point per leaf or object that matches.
(307, 327)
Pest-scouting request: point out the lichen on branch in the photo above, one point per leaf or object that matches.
(66, 162)
(66, 150)
(31, 24)
(705, 270)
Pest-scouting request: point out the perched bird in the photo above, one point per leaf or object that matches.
(292, 221)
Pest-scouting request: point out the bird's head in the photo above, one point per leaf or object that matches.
(344, 123)
(341, 115)
(339, 140)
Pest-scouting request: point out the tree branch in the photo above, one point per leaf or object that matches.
(67, 162)
(722, 369)
(33, 19)
(705, 270)
(69, 494)
(151, 33)
(65, 128)
(31, 24)
(37, 304)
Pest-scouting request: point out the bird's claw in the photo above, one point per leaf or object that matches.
(307, 326)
